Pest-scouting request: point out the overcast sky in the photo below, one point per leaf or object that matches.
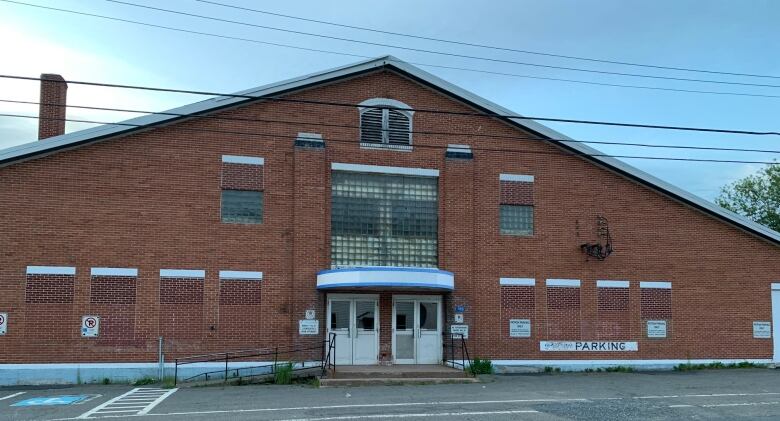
(732, 36)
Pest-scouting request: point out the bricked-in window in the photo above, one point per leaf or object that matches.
(563, 312)
(516, 210)
(242, 189)
(384, 220)
(49, 289)
(656, 303)
(245, 207)
(614, 320)
(517, 302)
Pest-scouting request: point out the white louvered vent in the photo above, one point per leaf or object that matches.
(371, 123)
(398, 128)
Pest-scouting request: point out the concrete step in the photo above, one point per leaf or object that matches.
(400, 374)
(379, 381)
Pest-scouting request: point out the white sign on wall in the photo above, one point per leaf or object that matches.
(594, 346)
(656, 328)
(308, 327)
(310, 314)
(519, 328)
(457, 330)
(90, 326)
(458, 317)
(3, 323)
(762, 330)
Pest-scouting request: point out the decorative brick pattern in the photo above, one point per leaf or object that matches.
(656, 303)
(49, 289)
(112, 290)
(614, 316)
(239, 292)
(517, 302)
(517, 193)
(242, 176)
(563, 313)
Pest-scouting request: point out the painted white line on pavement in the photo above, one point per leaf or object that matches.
(157, 402)
(710, 395)
(715, 405)
(11, 396)
(682, 406)
(419, 415)
(129, 404)
(103, 405)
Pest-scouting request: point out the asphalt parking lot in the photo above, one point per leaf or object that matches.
(717, 394)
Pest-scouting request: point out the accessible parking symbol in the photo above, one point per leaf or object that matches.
(51, 400)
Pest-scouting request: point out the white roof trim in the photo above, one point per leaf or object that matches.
(516, 177)
(526, 282)
(236, 159)
(240, 274)
(566, 283)
(612, 284)
(114, 272)
(51, 270)
(657, 285)
(182, 273)
(71, 140)
(384, 170)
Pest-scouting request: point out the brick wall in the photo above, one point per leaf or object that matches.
(152, 200)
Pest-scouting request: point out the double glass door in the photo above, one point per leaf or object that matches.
(355, 323)
(417, 331)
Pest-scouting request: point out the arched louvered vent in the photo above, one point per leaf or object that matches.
(385, 122)
(398, 128)
(371, 126)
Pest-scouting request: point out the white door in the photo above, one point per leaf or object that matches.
(355, 323)
(776, 320)
(417, 331)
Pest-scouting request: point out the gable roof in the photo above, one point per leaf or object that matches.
(83, 137)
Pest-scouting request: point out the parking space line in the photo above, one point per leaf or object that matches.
(138, 401)
(12, 396)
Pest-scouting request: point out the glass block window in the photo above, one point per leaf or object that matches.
(242, 207)
(516, 219)
(384, 220)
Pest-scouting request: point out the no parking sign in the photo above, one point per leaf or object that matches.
(90, 326)
(3, 323)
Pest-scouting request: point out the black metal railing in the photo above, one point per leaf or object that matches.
(456, 353)
(267, 361)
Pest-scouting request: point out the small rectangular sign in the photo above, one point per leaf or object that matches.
(90, 326)
(457, 330)
(3, 323)
(310, 314)
(460, 308)
(762, 330)
(520, 328)
(656, 328)
(584, 346)
(308, 327)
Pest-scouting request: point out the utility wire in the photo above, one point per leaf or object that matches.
(441, 53)
(503, 150)
(317, 50)
(491, 47)
(418, 110)
(414, 132)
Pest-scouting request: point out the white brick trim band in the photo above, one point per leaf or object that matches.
(567, 283)
(51, 270)
(182, 273)
(526, 282)
(114, 272)
(657, 285)
(424, 172)
(612, 284)
(309, 137)
(516, 177)
(237, 159)
(240, 274)
(458, 148)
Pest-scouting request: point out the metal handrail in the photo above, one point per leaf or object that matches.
(464, 351)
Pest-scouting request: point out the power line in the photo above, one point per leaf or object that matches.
(442, 53)
(503, 150)
(414, 132)
(295, 47)
(491, 47)
(418, 110)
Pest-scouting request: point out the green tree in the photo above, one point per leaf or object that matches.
(756, 196)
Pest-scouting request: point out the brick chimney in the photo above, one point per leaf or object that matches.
(51, 121)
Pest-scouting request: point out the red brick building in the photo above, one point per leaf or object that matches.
(372, 218)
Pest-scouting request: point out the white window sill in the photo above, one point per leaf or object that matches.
(402, 148)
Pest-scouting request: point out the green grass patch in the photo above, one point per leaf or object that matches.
(480, 366)
(283, 373)
(143, 381)
(717, 365)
